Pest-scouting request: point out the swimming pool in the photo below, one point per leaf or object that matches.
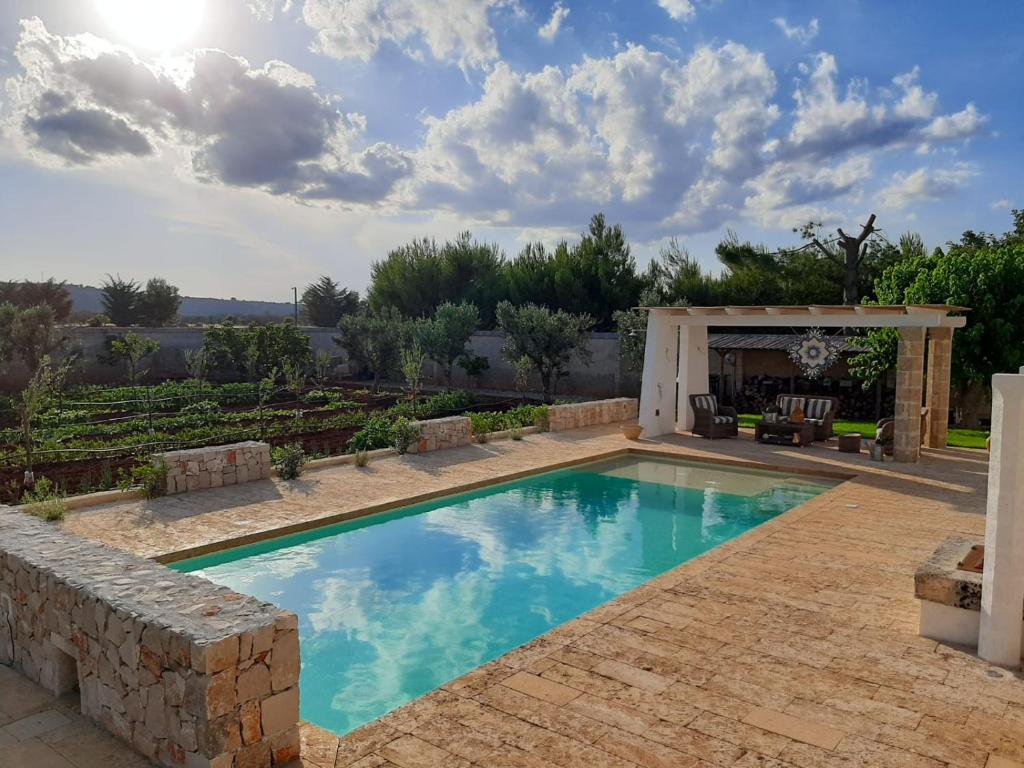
(394, 605)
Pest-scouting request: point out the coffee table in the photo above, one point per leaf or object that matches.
(784, 433)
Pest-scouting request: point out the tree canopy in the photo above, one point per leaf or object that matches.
(120, 300)
(981, 271)
(415, 279)
(326, 302)
(157, 305)
(51, 292)
(596, 276)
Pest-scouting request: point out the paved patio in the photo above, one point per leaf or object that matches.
(39, 731)
(794, 645)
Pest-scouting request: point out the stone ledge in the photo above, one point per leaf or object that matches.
(938, 580)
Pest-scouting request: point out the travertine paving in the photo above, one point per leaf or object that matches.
(40, 731)
(793, 645)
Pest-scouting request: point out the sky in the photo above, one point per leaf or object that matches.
(242, 147)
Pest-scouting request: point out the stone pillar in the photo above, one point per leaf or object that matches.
(940, 351)
(1002, 585)
(693, 370)
(658, 386)
(909, 381)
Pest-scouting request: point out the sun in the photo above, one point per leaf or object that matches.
(158, 25)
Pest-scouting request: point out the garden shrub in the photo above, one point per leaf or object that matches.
(376, 433)
(403, 434)
(288, 460)
(45, 500)
(150, 478)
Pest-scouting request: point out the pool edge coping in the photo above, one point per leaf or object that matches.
(257, 537)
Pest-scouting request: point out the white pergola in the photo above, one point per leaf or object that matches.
(676, 360)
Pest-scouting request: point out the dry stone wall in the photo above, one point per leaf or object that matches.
(576, 415)
(212, 467)
(190, 673)
(436, 434)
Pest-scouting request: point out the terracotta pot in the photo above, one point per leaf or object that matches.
(631, 431)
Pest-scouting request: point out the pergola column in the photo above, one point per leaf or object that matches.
(693, 370)
(940, 352)
(658, 385)
(909, 383)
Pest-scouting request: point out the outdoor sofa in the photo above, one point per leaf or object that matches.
(820, 411)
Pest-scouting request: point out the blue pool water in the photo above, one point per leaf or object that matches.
(395, 605)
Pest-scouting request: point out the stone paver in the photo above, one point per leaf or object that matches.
(793, 645)
(38, 730)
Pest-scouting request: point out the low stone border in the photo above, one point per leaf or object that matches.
(588, 414)
(438, 434)
(187, 672)
(211, 467)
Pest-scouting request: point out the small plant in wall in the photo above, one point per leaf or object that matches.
(45, 500)
(516, 433)
(288, 460)
(404, 433)
(362, 458)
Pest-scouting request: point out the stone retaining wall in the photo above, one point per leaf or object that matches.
(190, 673)
(214, 466)
(436, 434)
(576, 415)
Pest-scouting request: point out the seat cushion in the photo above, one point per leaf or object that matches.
(788, 404)
(723, 419)
(706, 403)
(817, 408)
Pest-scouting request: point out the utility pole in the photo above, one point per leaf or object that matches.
(295, 297)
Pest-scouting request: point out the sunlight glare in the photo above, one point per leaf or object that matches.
(158, 25)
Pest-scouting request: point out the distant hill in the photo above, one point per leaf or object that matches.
(87, 301)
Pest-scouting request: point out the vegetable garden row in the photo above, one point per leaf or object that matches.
(92, 438)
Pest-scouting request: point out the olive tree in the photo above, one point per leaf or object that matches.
(444, 337)
(375, 341)
(549, 339)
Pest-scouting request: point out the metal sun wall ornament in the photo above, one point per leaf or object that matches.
(814, 353)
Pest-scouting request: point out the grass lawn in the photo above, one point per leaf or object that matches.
(958, 438)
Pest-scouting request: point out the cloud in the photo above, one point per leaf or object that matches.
(680, 10)
(635, 131)
(549, 31)
(454, 31)
(794, 185)
(1002, 204)
(802, 35)
(960, 125)
(82, 100)
(828, 122)
(924, 184)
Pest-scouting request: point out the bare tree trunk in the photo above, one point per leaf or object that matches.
(854, 249)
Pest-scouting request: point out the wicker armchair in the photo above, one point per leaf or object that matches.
(819, 410)
(712, 420)
(885, 433)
